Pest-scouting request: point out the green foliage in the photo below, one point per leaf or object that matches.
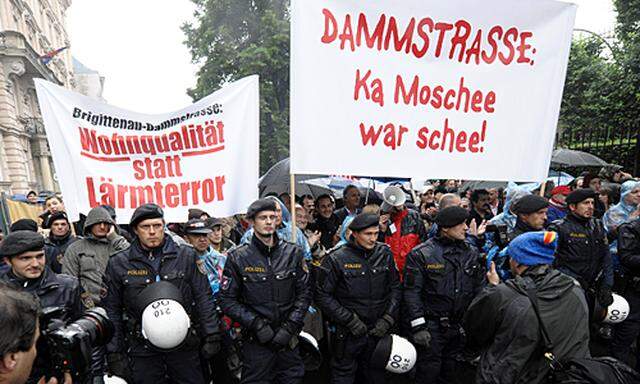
(232, 39)
(601, 95)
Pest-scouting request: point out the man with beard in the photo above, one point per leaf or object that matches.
(86, 259)
(480, 207)
(326, 221)
(265, 288)
(24, 252)
(583, 251)
(59, 239)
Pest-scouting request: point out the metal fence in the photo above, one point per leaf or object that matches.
(617, 146)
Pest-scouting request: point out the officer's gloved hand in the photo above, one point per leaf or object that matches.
(118, 365)
(422, 337)
(605, 296)
(211, 346)
(382, 327)
(282, 338)
(356, 326)
(262, 330)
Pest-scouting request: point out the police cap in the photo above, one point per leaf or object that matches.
(451, 216)
(530, 204)
(364, 221)
(19, 242)
(144, 212)
(579, 195)
(259, 206)
(196, 227)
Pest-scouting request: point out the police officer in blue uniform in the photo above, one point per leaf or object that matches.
(359, 290)
(441, 278)
(154, 257)
(265, 288)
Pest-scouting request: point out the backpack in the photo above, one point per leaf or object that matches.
(588, 370)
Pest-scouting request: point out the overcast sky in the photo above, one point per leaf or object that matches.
(138, 47)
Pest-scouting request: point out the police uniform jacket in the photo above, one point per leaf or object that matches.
(441, 279)
(271, 283)
(583, 252)
(52, 290)
(54, 249)
(130, 271)
(352, 280)
(629, 247)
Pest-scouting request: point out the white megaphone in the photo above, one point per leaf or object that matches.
(393, 196)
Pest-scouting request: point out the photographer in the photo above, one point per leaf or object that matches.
(19, 321)
(23, 251)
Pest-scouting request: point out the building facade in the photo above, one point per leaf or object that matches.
(29, 29)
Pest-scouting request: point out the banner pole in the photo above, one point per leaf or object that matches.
(366, 196)
(542, 188)
(292, 183)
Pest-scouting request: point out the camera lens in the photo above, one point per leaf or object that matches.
(96, 323)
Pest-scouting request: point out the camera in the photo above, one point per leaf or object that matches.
(68, 347)
(500, 234)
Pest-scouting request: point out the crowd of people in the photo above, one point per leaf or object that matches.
(465, 275)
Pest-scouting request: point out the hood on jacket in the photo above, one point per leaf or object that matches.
(96, 216)
(343, 230)
(627, 187)
(550, 284)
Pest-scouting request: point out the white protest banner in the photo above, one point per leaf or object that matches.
(203, 156)
(427, 88)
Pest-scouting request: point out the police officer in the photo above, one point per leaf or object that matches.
(265, 288)
(359, 289)
(23, 251)
(629, 253)
(154, 259)
(531, 213)
(441, 278)
(583, 251)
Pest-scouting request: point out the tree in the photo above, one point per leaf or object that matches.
(232, 39)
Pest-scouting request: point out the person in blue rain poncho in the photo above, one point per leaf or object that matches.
(284, 229)
(497, 252)
(344, 231)
(623, 212)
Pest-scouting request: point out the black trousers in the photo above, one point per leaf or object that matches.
(169, 367)
(437, 364)
(627, 332)
(263, 365)
(352, 365)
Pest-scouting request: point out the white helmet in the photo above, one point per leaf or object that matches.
(395, 354)
(618, 311)
(310, 352)
(165, 323)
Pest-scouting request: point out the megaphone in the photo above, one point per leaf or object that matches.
(393, 196)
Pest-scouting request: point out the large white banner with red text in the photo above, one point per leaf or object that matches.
(203, 156)
(427, 88)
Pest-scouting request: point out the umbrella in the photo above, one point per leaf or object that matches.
(277, 180)
(568, 158)
(481, 184)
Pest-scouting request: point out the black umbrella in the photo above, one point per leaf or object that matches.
(481, 184)
(569, 158)
(277, 180)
